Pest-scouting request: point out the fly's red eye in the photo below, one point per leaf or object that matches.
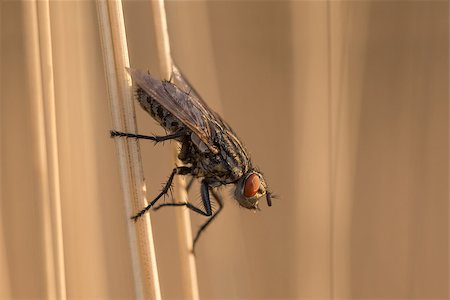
(252, 184)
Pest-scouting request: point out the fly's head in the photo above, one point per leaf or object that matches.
(250, 188)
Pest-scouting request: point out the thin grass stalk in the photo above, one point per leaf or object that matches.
(115, 53)
(51, 147)
(38, 131)
(187, 258)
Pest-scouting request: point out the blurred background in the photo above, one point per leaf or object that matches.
(342, 104)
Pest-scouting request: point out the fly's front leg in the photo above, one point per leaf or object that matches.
(189, 185)
(203, 227)
(176, 171)
(205, 200)
(205, 190)
(154, 138)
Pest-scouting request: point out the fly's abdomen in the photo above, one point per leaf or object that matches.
(165, 118)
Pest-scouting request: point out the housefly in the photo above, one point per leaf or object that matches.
(210, 150)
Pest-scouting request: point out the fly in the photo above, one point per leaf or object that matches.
(210, 150)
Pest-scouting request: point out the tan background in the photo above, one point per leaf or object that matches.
(343, 105)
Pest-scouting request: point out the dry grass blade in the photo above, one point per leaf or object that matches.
(187, 258)
(112, 31)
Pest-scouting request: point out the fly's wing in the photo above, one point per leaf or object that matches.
(186, 107)
(185, 85)
(229, 137)
(182, 82)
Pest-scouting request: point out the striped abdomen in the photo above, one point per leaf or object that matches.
(165, 118)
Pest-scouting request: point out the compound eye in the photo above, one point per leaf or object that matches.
(252, 184)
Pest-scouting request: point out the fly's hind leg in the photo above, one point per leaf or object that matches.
(176, 171)
(205, 190)
(154, 138)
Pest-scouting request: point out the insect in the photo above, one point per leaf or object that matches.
(210, 150)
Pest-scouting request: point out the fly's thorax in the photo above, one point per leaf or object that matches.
(249, 189)
(213, 167)
(232, 154)
(224, 167)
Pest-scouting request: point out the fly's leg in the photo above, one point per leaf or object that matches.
(189, 185)
(155, 138)
(203, 227)
(205, 189)
(205, 199)
(176, 171)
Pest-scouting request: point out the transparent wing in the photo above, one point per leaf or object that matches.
(185, 85)
(187, 107)
(217, 123)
